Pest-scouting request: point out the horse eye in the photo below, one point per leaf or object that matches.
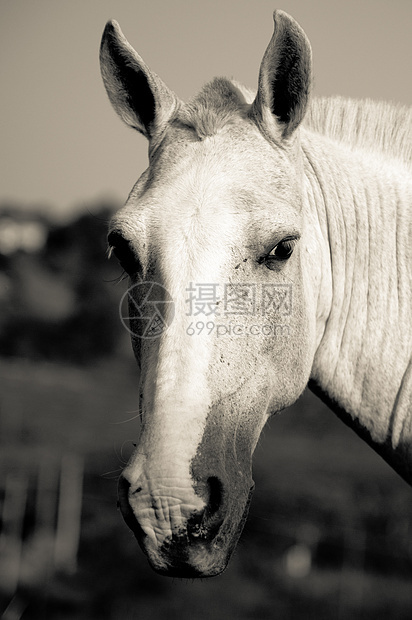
(123, 251)
(283, 249)
(281, 252)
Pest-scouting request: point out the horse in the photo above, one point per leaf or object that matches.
(270, 237)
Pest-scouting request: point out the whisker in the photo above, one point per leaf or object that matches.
(122, 459)
(114, 471)
(118, 279)
(129, 420)
(97, 217)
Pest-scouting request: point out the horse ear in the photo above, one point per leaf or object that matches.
(137, 94)
(284, 78)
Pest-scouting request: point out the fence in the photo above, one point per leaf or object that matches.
(40, 527)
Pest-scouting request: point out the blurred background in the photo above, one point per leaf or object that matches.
(329, 532)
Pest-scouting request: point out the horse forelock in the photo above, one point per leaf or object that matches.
(221, 102)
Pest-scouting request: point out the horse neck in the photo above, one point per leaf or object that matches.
(362, 367)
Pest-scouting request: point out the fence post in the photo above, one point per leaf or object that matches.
(11, 543)
(69, 513)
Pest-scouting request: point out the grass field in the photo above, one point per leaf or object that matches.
(329, 532)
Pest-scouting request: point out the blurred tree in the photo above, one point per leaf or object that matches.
(60, 302)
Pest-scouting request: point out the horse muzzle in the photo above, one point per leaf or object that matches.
(188, 532)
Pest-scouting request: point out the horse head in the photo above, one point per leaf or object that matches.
(213, 239)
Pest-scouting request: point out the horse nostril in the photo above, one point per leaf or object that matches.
(205, 525)
(201, 525)
(215, 490)
(126, 509)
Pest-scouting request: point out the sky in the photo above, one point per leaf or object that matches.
(63, 148)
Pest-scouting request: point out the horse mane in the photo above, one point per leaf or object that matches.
(369, 125)
(375, 126)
